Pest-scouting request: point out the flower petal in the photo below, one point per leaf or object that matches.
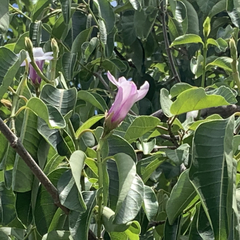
(112, 79)
(142, 91)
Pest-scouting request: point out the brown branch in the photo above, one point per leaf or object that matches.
(16, 144)
(167, 45)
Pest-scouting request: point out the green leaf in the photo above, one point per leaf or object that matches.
(39, 7)
(150, 203)
(7, 207)
(178, 88)
(80, 39)
(106, 13)
(6, 232)
(181, 196)
(30, 138)
(69, 60)
(222, 62)
(10, 64)
(192, 17)
(35, 33)
(126, 173)
(88, 124)
(77, 163)
(4, 17)
(211, 172)
(196, 99)
(79, 222)
(133, 231)
(57, 235)
(136, 4)
(47, 112)
(225, 92)
(68, 192)
(116, 144)
(165, 102)
(93, 98)
(66, 10)
(206, 5)
(63, 100)
(144, 20)
(140, 126)
(45, 208)
(132, 203)
(187, 38)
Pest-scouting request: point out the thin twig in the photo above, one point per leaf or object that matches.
(16, 144)
(166, 41)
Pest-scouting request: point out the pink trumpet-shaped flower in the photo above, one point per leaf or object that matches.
(127, 95)
(39, 57)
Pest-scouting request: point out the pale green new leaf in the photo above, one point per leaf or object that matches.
(186, 39)
(196, 99)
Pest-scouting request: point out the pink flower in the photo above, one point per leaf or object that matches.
(39, 57)
(127, 95)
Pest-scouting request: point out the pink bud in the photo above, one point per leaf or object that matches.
(127, 95)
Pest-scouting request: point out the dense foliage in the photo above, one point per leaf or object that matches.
(167, 171)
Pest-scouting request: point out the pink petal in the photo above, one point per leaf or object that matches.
(142, 91)
(112, 79)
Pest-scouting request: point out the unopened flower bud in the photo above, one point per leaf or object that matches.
(233, 49)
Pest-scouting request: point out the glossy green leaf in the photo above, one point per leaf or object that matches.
(140, 126)
(150, 203)
(206, 5)
(181, 196)
(211, 172)
(6, 232)
(63, 100)
(222, 62)
(45, 208)
(106, 13)
(54, 138)
(93, 98)
(225, 92)
(47, 112)
(7, 207)
(186, 39)
(196, 99)
(126, 173)
(136, 4)
(66, 10)
(116, 144)
(39, 8)
(68, 192)
(35, 33)
(10, 64)
(178, 88)
(88, 124)
(68, 64)
(4, 17)
(57, 235)
(79, 222)
(132, 203)
(77, 163)
(144, 19)
(30, 138)
(79, 40)
(165, 102)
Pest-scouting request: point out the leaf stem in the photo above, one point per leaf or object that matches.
(204, 62)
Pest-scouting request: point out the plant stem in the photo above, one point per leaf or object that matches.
(166, 41)
(204, 62)
(16, 144)
(100, 189)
